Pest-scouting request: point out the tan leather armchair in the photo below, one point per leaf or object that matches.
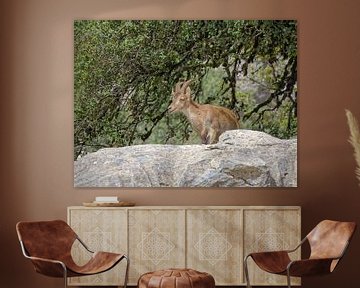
(328, 242)
(48, 245)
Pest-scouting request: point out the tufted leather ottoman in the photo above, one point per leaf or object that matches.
(176, 278)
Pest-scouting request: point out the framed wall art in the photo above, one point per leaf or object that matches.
(180, 103)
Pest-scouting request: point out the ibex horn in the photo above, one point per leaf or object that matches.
(185, 85)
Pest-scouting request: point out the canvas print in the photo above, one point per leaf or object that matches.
(180, 103)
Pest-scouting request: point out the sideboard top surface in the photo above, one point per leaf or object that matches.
(192, 207)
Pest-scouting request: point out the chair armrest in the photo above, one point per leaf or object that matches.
(45, 260)
(48, 267)
(281, 251)
(268, 253)
(309, 267)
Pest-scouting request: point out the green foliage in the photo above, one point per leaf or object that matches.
(124, 72)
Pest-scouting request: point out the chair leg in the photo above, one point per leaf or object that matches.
(65, 275)
(246, 272)
(288, 278)
(127, 271)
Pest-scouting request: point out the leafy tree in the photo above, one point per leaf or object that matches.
(124, 72)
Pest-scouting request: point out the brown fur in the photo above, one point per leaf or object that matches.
(209, 121)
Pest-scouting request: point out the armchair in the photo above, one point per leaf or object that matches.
(48, 245)
(328, 242)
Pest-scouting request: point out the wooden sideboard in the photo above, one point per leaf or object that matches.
(211, 239)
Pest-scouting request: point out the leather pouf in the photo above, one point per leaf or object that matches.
(176, 278)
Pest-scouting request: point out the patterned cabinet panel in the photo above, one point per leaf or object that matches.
(101, 230)
(271, 229)
(214, 244)
(156, 240)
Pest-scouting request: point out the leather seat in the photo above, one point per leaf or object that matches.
(48, 245)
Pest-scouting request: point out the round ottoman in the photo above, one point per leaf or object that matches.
(176, 278)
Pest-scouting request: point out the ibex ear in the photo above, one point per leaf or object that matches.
(177, 86)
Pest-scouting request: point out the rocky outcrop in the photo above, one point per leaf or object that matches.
(241, 158)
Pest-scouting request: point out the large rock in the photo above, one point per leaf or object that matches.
(241, 158)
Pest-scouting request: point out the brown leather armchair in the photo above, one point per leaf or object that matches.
(328, 242)
(48, 245)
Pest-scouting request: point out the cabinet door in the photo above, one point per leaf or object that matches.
(214, 244)
(269, 230)
(156, 240)
(101, 230)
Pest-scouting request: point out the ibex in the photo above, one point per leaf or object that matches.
(209, 121)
